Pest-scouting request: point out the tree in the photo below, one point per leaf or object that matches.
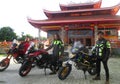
(24, 36)
(7, 33)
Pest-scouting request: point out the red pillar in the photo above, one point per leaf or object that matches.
(66, 31)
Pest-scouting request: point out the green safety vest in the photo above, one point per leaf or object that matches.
(60, 45)
(56, 42)
(101, 47)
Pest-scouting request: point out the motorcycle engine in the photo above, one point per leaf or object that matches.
(82, 65)
(39, 57)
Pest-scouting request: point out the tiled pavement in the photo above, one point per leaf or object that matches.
(37, 76)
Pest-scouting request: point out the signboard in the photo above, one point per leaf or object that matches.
(80, 33)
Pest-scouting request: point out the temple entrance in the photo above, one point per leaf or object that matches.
(86, 41)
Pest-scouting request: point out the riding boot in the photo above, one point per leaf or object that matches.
(54, 71)
(96, 78)
(107, 82)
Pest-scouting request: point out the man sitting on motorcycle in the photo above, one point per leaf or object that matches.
(26, 46)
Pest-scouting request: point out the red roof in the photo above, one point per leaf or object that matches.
(81, 5)
(84, 19)
(83, 12)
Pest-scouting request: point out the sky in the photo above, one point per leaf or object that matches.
(14, 13)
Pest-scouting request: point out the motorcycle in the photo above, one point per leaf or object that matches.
(12, 52)
(81, 60)
(41, 59)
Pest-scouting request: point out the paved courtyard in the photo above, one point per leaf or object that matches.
(37, 76)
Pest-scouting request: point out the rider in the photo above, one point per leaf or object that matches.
(58, 50)
(26, 45)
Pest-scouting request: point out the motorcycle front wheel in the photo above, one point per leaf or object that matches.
(4, 64)
(64, 72)
(25, 69)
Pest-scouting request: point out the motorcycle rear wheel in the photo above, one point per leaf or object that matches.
(92, 71)
(64, 72)
(4, 64)
(52, 68)
(25, 69)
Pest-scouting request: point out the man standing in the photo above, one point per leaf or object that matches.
(58, 50)
(102, 51)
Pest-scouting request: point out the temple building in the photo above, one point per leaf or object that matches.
(82, 21)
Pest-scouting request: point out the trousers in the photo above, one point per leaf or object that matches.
(105, 64)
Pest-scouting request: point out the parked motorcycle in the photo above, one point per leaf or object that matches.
(81, 60)
(12, 52)
(41, 59)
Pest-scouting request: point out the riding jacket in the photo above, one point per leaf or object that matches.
(102, 48)
(58, 47)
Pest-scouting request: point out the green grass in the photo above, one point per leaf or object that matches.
(2, 55)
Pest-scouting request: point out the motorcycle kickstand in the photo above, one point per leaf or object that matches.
(85, 74)
(45, 71)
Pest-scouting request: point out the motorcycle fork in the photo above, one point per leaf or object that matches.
(6, 60)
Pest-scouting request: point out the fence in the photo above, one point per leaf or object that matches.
(4, 46)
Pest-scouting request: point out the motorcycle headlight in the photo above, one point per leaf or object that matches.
(72, 55)
(74, 50)
(66, 62)
(70, 62)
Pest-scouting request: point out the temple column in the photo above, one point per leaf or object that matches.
(62, 33)
(95, 32)
(39, 36)
(66, 34)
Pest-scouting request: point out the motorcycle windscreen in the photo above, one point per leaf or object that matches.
(76, 47)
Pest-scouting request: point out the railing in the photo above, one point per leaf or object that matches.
(4, 47)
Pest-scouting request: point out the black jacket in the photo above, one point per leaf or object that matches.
(102, 49)
(57, 46)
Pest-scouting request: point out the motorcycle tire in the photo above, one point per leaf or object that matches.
(64, 72)
(4, 64)
(92, 71)
(25, 69)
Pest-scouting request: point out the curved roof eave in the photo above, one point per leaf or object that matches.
(39, 23)
(112, 9)
(64, 6)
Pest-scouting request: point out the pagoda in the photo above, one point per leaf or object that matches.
(81, 21)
